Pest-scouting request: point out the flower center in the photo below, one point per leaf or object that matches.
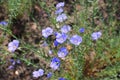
(76, 41)
(48, 32)
(14, 47)
(62, 54)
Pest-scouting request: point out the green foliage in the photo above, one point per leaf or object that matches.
(18, 7)
(111, 71)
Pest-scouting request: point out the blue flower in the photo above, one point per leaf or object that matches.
(12, 46)
(62, 52)
(65, 29)
(3, 23)
(55, 63)
(62, 78)
(56, 33)
(62, 17)
(82, 30)
(18, 61)
(38, 73)
(59, 11)
(60, 4)
(47, 32)
(11, 60)
(41, 72)
(11, 67)
(96, 35)
(76, 40)
(50, 52)
(56, 43)
(14, 62)
(49, 74)
(60, 38)
(44, 44)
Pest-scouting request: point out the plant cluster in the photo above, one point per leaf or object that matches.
(61, 37)
(78, 48)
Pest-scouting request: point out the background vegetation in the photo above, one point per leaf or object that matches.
(91, 60)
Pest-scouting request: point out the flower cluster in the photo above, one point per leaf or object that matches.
(59, 12)
(61, 37)
(13, 63)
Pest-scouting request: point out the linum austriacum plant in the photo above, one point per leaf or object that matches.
(61, 37)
